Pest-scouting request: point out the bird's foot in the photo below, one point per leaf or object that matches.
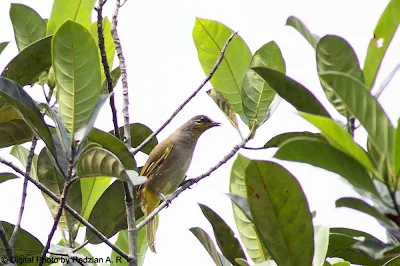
(164, 198)
(185, 182)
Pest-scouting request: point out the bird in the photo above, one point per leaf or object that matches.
(167, 165)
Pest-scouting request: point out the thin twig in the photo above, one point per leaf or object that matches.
(191, 182)
(9, 250)
(106, 67)
(128, 188)
(254, 148)
(74, 213)
(80, 247)
(24, 190)
(209, 76)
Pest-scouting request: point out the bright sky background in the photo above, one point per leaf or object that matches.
(163, 70)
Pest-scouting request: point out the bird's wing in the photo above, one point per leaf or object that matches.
(155, 159)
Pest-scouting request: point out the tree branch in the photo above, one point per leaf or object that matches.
(106, 67)
(254, 148)
(193, 181)
(209, 76)
(128, 188)
(74, 213)
(9, 250)
(24, 189)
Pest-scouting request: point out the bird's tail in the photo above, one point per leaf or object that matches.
(150, 200)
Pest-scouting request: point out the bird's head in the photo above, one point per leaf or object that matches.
(198, 124)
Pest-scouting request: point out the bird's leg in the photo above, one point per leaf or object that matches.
(164, 198)
(186, 181)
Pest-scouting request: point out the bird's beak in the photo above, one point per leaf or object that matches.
(214, 124)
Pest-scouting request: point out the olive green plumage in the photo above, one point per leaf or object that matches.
(167, 165)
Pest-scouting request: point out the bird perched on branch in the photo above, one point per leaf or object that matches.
(167, 165)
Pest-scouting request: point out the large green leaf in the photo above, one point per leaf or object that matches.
(76, 66)
(323, 155)
(114, 145)
(97, 162)
(292, 91)
(340, 139)
(140, 132)
(14, 132)
(278, 140)
(26, 245)
(209, 37)
(247, 233)
(15, 96)
(208, 244)
(122, 243)
(364, 107)
(336, 54)
(393, 262)
(302, 29)
(30, 63)
(280, 213)
(383, 35)
(28, 25)
(109, 44)
(3, 46)
(49, 176)
(92, 189)
(22, 154)
(226, 240)
(114, 219)
(79, 11)
(257, 95)
(362, 206)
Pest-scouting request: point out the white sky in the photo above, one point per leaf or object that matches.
(163, 69)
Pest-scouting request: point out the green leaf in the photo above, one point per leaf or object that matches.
(208, 244)
(302, 29)
(226, 240)
(122, 243)
(7, 176)
(92, 189)
(15, 96)
(140, 132)
(76, 66)
(280, 213)
(336, 54)
(340, 245)
(209, 37)
(100, 162)
(257, 95)
(278, 140)
(3, 46)
(362, 206)
(21, 154)
(115, 146)
(245, 227)
(79, 11)
(242, 204)
(393, 262)
(364, 107)
(292, 91)
(49, 176)
(28, 25)
(321, 241)
(114, 219)
(115, 75)
(30, 63)
(14, 132)
(340, 139)
(225, 107)
(26, 245)
(383, 35)
(323, 155)
(108, 44)
(396, 150)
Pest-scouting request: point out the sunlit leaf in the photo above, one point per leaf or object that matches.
(302, 29)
